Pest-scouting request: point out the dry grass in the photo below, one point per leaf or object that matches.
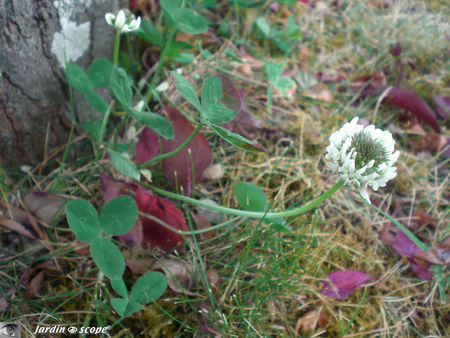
(269, 280)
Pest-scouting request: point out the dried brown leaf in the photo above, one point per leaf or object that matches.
(33, 285)
(179, 275)
(308, 323)
(47, 207)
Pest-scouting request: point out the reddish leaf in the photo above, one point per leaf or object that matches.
(203, 223)
(135, 236)
(147, 146)
(343, 282)
(231, 97)
(154, 233)
(34, 285)
(405, 247)
(396, 50)
(420, 270)
(403, 98)
(442, 106)
(385, 235)
(113, 188)
(178, 168)
(421, 219)
(245, 124)
(369, 84)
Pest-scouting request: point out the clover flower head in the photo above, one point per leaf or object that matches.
(362, 156)
(124, 21)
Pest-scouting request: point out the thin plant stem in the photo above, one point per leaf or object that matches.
(408, 233)
(116, 48)
(176, 150)
(251, 214)
(190, 233)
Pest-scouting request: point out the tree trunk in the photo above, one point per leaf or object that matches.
(36, 37)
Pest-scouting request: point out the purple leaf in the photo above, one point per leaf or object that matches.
(231, 97)
(178, 168)
(442, 105)
(403, 98)
(405, 247)
(147, 146)
(113, 188)
(421, 271)
(343, 282)
(396, 50)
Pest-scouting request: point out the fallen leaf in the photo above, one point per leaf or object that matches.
(33, 285)
(420, 220)
(211, 216)
(113, 188)
(442, 106)
(307, 323)
(160, 208)
(405, 247)
(3, 304)
(134, 237)
(369, 84)
(16, 226)
(214, 280)
(204, 309)
(147, 147)
(22, 222)
(178, 169)
(432, 142)
(203, 223)
(47, 207)
(385, 235)
(438, 255)
(245, 124)
(403, 98)
(179, 275)
(231, 96)
(396, 50)
(140, 265)
(319, 92)
(327, 78)
(340, 284)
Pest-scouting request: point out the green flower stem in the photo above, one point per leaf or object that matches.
(252, 214)
(193, 232)
(176, 150)
(160, 63)
(408, 233)
(116, 48)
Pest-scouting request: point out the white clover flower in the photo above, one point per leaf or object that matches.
(124, 21)
(362, 156)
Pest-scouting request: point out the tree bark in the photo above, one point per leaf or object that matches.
(36, 37)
